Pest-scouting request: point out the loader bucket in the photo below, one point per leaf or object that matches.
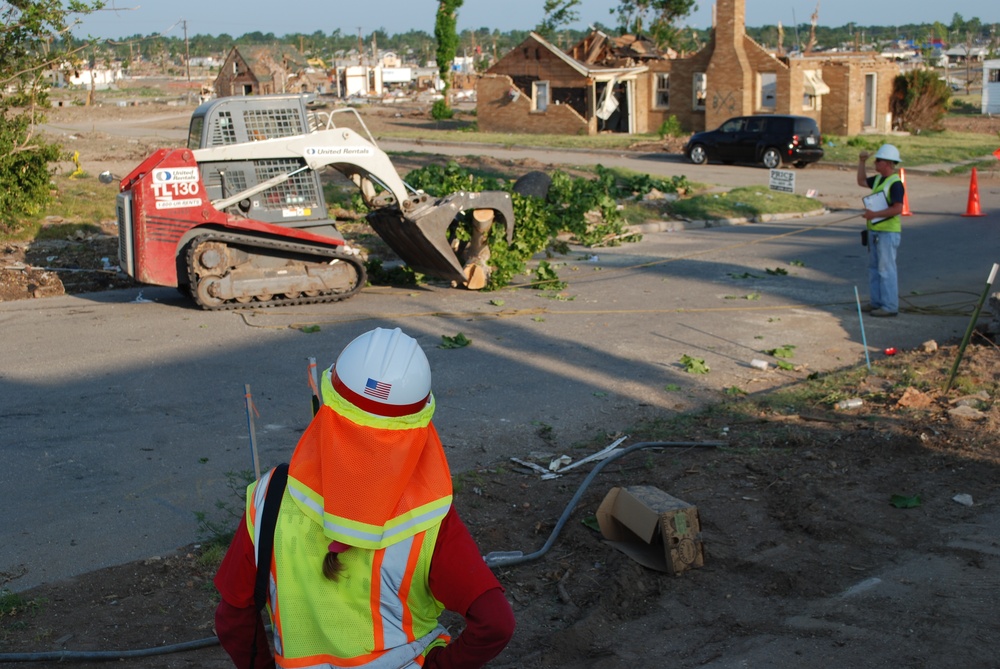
(420, 238)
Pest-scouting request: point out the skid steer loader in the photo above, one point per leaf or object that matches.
(238, 217)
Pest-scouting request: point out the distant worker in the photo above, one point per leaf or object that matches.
(368, 550)
(883, 227)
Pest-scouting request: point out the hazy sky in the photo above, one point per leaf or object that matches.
(282, 17)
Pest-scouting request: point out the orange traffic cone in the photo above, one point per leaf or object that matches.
(973, 207)
(906, 196)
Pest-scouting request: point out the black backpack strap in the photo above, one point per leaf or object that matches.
(272, 503)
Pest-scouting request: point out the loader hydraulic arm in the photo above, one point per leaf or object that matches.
(342, 148)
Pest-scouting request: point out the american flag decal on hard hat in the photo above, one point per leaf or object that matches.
(378, 389)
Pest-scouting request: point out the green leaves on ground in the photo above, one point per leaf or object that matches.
(546, 278)
(585, 208)
(458, 341)
(786, 351)
(905, 501)
(694, 365)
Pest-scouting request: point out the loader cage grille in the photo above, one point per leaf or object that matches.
(223, 131)
(270, 123)
(299, 191)
(234, 178)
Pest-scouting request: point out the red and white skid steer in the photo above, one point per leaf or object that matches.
(239, 218)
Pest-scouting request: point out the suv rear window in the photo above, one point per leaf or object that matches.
(804, 126)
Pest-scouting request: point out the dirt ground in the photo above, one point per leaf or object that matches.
(805, 554)
(795, 512)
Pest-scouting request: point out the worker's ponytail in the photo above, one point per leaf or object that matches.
(332, 566)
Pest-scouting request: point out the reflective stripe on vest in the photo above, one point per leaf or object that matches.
(395, 468)
(380, 612)
(367, 535)
(893, 223)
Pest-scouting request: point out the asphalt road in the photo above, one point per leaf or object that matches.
(120, 418)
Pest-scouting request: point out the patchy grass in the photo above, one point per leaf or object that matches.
(81, 204)
(927, 148)
(469, 134)
(744, 202)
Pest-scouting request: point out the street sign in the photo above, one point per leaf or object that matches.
(783, 180)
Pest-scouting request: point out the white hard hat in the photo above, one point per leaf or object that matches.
(888, 152)
(384, 372)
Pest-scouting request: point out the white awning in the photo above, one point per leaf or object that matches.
(814, 84)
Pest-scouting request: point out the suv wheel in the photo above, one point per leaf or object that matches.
(771, 158)
(698, 155)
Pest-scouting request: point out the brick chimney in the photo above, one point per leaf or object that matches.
(730, 77)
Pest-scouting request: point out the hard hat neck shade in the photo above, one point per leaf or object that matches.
(371, 406)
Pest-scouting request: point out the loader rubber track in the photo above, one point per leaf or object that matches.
(252, 245)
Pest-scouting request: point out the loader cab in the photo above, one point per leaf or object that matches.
(298, 202)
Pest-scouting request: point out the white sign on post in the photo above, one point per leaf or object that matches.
(783, 180)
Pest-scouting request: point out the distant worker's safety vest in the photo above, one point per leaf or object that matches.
(894, 223)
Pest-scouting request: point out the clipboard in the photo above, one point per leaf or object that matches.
(876, 202)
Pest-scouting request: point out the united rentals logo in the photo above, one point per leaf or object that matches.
(339, 151)
(175, 174)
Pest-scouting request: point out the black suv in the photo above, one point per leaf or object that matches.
(768, 139)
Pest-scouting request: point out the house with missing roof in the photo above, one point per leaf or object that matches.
(266, 70)
(606, 84)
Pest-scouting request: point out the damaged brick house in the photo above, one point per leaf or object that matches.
(538, 88)
(264, 70)
(733, 75)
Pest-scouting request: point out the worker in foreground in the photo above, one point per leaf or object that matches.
(368, 550)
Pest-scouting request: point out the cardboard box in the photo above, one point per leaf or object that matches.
(653, 528)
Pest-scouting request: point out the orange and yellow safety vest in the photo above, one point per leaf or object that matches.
(382, 486)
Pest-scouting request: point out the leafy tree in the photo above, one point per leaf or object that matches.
(919, 100)
(34, 39)
(558, 13)
(657, 17)
(446, 34)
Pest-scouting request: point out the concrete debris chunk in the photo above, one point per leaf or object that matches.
(963, 499)
(966, 412)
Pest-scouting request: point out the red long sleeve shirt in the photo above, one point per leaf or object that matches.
(459, 579)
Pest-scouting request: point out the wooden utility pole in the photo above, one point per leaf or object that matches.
(187, 61)
(93, 75)
(968, 61)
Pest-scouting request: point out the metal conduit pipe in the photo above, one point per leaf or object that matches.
(89, 655)
(509, 558)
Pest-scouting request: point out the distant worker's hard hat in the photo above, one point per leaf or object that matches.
(383, 372)
(888, 152)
